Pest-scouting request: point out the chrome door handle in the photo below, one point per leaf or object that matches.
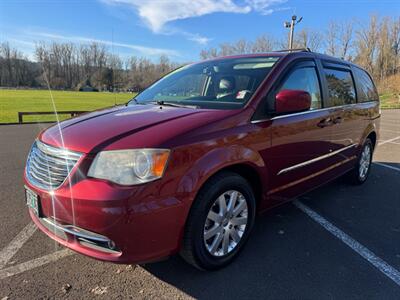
(325, 122)
(338, 120)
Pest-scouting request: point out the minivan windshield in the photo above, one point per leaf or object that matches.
(217, 84)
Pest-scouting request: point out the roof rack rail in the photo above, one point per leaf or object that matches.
(295, 50)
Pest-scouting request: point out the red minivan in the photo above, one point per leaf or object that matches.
(186, 165)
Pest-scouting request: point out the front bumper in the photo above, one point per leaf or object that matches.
(90, 244)
(84, 237)
(112, 223)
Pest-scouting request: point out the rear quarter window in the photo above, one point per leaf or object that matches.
(366, 88)
(341, 89)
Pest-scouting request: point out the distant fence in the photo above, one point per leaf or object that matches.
(21, 114)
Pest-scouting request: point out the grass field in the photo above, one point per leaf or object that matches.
(13, 101)
(390, 100)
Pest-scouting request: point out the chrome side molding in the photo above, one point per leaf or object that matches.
(316, 110)
(311, 161)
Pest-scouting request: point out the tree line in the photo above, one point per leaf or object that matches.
(68, 66)
(374, 44)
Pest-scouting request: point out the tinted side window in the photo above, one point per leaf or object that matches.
(367, 90)
(340, 87)
(304, 79)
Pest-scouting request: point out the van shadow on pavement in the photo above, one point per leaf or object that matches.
(290, 256)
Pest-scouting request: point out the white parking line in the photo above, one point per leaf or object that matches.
(388, 141)
(387, 166)
(34, 263)
(9, 251)
(389, 130)
(376, 261)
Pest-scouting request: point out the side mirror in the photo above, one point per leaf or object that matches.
(292, 101)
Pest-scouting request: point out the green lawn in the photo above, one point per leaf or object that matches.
(13, 101)
(390, 100)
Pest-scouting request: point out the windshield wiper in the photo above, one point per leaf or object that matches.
(173, 104)
(132, 100)
(137, 102)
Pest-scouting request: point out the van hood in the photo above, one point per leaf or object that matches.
(92, 132)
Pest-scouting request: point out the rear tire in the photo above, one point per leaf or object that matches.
(360, 173)
(219, 222)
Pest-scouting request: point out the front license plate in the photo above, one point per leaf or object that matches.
(32, 200)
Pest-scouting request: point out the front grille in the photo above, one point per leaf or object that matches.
(47, 167)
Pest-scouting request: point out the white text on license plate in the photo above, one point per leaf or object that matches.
(32, 201)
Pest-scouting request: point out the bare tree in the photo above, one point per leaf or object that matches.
(331, 39)
(263, 43)
(307, 38)
(7, 58)
(394, 40)
(339, 38)
(345, 39)
(242, 47)
(366, 44)
(210, 53)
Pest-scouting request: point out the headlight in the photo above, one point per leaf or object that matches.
(129, 167)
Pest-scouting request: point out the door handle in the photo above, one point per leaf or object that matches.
(338, 120)
(325, 122)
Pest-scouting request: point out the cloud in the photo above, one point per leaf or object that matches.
(264, 6)
(156, 14)
(195, 37)
(202, 40)
(85, 40)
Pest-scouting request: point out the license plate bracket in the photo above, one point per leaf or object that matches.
(32, 201)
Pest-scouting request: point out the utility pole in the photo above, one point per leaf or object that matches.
(291, 25)
(112, 67)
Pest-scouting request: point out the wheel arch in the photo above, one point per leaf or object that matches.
(251, 175)
(370, 132)
(246, 170)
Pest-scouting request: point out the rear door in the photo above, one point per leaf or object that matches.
(347, 119)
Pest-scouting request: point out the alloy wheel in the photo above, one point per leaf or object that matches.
(226, 223)
(365, 162)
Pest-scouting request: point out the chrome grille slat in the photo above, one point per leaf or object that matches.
(40, 163)
(47, 170)
(49, 158)
(58, 159)
(58, 152)
(43, 179)
(48, 167)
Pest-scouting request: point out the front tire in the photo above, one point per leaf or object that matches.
(361, 171)
(219, 222)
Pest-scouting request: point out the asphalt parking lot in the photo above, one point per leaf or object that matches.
(337, 242)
